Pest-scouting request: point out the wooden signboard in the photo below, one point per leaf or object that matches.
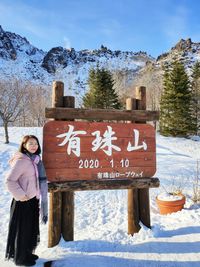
(98, 151)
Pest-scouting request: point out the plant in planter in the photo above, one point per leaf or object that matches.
(171, 200)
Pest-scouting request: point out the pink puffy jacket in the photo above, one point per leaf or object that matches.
(22, 180)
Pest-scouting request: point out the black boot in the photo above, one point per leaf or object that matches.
(26, 262)
(33, 257)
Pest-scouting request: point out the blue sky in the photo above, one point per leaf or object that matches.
(153, 26)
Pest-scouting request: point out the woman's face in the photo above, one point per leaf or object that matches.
(31, 145)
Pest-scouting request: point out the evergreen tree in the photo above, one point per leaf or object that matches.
(196, 97)
(175, 106)
(101, 93)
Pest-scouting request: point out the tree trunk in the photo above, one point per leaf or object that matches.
(5, 124)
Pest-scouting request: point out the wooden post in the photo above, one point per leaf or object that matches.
(144, 206)
(57, 94)
(143, 194)
(55, 198)
(133, 209)
(68, 197)
(54, 231)
(140, 94)
(69, 101)
(68, 215)
(130, 104)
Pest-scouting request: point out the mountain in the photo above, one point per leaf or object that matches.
(151, 74)
(185, 51)
(19, 58)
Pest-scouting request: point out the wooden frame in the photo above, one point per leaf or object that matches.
(101, 114)
(61, 218)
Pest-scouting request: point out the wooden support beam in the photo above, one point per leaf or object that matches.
(101, 114)
(133, 205)
(144, 206)
(143, 194)
(67, 223)
(68, 216)
(55, 198)
(133, 211)
(103, 184)
(54, 229)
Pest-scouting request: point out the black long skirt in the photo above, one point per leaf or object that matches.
(23, 231)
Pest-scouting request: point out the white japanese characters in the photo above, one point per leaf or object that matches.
(72, 140)
(136, 146)
(104, 142)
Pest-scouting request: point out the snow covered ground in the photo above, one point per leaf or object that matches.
(101, 238)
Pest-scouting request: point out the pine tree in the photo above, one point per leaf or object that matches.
(101, 93)
(175, 106)
(196, 97)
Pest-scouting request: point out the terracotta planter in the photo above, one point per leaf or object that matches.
(167, 207)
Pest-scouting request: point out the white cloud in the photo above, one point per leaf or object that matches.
(26, 18)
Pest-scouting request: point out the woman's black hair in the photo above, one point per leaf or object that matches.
(25, 139)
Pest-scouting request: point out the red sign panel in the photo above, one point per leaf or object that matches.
(91, 150)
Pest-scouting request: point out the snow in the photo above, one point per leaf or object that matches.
(168, 197)
(74, 75)
(101, 237)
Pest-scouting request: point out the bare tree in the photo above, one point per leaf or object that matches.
(11, 96)
(151, 78)
(122, 80)
(22, 119)
(39, 98)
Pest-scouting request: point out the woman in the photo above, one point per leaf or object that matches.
(26, 182)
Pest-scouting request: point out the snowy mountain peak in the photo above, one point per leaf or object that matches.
(1, 30)
(13, 44)
(183, 45)
(18, 58)
(7, 50)
(185, 50)
(58, 57)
